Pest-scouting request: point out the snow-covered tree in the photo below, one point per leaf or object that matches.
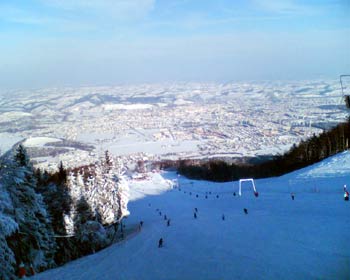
(83, 231)
(79, 203)
(123, 197)
(75, 194)
(21, 156)
(8, 226)
(112, 190)
(100, 196)
(33, 242)
(57, 198)
(76, 189)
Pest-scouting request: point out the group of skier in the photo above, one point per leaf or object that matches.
(160, 242)
(346, 194)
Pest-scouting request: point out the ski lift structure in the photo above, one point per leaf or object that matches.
(250, 181)
(344, 91)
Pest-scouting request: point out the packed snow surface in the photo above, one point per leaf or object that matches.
(279, 238)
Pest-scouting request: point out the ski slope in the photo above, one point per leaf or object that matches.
(279, 238)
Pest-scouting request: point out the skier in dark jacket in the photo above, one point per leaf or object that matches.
(160, 243)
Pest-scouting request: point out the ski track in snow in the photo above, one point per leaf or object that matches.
(279, 238)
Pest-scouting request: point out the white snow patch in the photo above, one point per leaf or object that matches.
(39, 141)
(136, 106)
(14, 115)
(181, 101)
(331, 167)
(152, 147)
(7, 140)
(154, 184)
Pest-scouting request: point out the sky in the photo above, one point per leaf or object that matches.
(53, 43)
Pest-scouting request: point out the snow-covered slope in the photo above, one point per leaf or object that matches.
(279, 238)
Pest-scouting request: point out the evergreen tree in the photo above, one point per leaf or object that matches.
(57, 197)
(62, 173)
(21, 156)
(83, 215)
(108, 162)
(75, 194)
(34, 241)
(8, 227)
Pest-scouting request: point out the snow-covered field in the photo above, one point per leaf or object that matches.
(279, 238)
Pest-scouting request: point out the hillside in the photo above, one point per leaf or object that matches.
(279, 238)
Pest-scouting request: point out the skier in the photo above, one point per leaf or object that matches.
(292, 195)
(346, 193)
(245, 210)
(22, 271)
(195, 209)
(160, 243)
(234, 194)
(165, 217)
(140, 225)
(31, 269)
(223, 217)
(195, 215)
(168, 223)
(256, 194)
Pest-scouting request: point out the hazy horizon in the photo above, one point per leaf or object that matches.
(57, 43)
